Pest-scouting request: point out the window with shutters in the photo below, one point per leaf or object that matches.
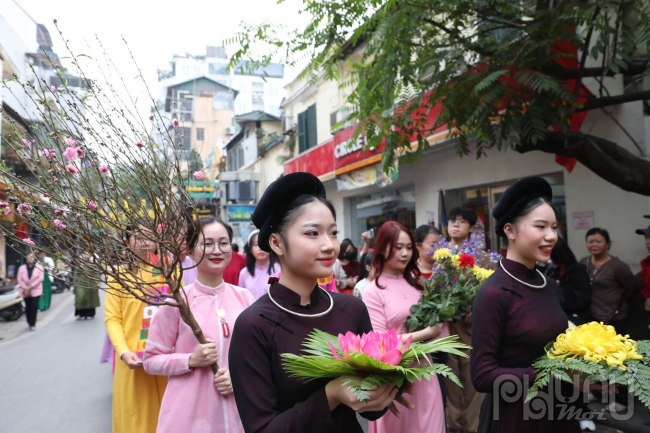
(307, 132)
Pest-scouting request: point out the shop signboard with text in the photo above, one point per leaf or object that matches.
(240, 213)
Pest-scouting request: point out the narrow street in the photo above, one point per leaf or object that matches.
(51, 379)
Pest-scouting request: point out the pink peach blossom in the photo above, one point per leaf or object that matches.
(104, 169)
(25, 142)
(151, 118)
(78, 215)
(49, 153)
(71, 142)
(198, 174)
(7, 211)
(71, 154)
(81, 152)
(55, 179)
(59, 224)
(58, 212)
(139, 144)
(53, 89)
(28, 241)
(175, 123)
(71, 169)
(92, 205)
(24, 208)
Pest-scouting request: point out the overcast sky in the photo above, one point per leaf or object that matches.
(156, 30)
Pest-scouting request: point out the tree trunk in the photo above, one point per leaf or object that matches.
(186, 315)
(607, 159)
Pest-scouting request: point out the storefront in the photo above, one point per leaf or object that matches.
(365, 198)
(481, 199)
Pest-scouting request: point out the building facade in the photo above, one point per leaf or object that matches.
(365, 196)
(261, 89)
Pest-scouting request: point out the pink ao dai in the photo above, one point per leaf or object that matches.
(191, 402)
(389, 308)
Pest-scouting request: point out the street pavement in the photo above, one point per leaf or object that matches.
(51, 380)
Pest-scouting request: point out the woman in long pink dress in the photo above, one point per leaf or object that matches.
(197, 400)
(389, 299)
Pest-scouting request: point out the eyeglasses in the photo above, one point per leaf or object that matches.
(208, 247)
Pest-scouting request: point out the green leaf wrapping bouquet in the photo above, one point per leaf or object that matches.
(373, 358)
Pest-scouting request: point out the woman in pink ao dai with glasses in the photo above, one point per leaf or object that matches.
(197, 400)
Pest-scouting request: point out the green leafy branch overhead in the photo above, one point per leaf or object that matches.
(507, 74)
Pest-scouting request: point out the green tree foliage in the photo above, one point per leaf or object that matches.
(501, 69)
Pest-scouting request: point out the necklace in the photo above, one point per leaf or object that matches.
(303, 315)
(525, 284)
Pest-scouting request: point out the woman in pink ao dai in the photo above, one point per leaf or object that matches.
(196, 400)
(389, 298)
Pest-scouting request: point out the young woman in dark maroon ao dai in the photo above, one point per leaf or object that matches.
(298, 225)
(516, 312)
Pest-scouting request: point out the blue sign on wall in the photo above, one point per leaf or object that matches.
(240, 213)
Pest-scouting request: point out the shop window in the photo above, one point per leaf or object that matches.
(307, 133)
(482, 199)
(370, 211)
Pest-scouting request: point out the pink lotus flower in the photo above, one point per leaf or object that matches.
(198, 174)
(71, 169)
(53, 89)
(139, 144)
(81, 152)
(28, 241)
(104, 169)
(24, 208)
(71, 154)
(49, 153)
(386, 347)
(59, 224)
(25, 142)
(71, 142)
(92, 205)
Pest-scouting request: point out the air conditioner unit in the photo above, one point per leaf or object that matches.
(338, 116)
(288, 124)
(241, 191)
(229, 130)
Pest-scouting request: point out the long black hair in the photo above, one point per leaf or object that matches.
(366, 260)
(250, 258)
(562, 255)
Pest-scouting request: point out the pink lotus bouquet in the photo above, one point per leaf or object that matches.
(373, 358)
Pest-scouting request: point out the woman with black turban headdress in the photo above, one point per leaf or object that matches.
(517, 311)
(298, 226)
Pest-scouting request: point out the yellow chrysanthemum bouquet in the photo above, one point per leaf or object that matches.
(596, 350)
